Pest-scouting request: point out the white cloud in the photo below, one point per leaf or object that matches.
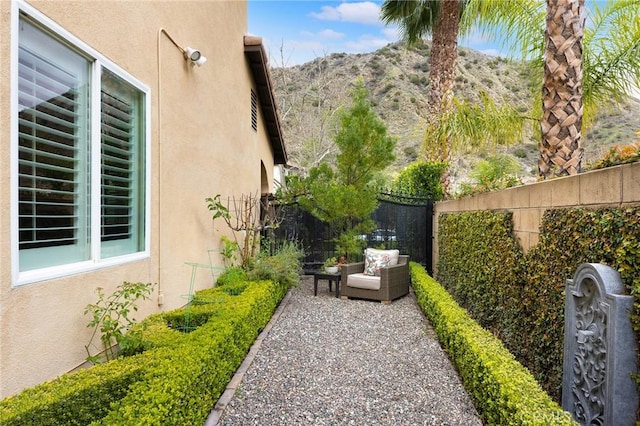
(330, 35)
(365, 12)
(366, 43)
(327, 34)
(311, 45)
(391, 33)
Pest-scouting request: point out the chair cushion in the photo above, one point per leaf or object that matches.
(375, 259)
(368, 282)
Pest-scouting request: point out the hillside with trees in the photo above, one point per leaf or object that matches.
(311, 95)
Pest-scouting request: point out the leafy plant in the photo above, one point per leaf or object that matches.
(331, 261)
(619, 155)
(243, 217)
(229, 251)
(281, 267)
(110, 316)
(345, 195)
(349, 244)
(219, 210)
(494, 172)
(421, 179)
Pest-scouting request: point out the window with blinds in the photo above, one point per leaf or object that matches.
(53, 130)
(56, 138)
(121, 182)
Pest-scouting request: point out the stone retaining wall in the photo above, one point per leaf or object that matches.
(612, 187)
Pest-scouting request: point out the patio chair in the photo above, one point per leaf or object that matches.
(383, 276)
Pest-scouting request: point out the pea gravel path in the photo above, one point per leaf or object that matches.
(327, 361)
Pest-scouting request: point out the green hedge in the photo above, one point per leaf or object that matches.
(72, 399)
(503, 391)
(520, 298)
(176, 381)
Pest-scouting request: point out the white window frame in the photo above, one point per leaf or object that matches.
(99, 61)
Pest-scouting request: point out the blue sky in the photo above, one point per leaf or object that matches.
(307, 29)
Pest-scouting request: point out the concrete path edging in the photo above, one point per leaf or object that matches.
(214, 416)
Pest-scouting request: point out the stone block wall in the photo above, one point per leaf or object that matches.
(612, 187)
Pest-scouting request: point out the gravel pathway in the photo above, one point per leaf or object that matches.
(327, 361)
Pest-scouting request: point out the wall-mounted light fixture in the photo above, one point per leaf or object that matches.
(190, 54)
(194, 57)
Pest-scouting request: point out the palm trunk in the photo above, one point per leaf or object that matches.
(442, 68)
(561, 123)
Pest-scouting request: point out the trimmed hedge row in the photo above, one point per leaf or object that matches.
(176, 381)
(504, 392)
(71, 399)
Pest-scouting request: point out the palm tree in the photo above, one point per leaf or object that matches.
(441, 19)
(607, 56)
(561, 122)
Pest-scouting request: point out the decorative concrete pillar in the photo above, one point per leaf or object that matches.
(599, 349)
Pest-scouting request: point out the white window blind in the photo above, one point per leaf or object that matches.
(52, 156)
(121, 182)
(55, 141)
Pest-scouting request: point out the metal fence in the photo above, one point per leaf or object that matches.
(402, 222)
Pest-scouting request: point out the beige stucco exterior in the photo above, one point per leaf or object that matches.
(202, 144)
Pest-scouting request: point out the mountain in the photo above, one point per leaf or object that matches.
(311, 95)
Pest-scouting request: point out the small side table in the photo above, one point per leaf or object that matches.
(329, 277)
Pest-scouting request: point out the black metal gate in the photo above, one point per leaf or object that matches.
(405, 223)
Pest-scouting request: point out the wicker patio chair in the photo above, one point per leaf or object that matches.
(394, 281)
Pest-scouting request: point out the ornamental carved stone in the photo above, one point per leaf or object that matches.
(599, 349)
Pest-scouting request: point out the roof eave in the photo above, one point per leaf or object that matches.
(257, 57)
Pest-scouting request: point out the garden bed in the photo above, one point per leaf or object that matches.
(175, 381)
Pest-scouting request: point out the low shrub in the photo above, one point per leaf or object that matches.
(176, 381)
(72, 399)
(282, 267)
(188, 319)
(231, 275)
(618, 155)
(503, 391)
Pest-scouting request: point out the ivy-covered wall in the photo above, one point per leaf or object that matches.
(520, 297)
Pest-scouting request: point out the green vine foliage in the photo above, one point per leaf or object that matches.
(481, 265)
(520, 298)
(110, 317)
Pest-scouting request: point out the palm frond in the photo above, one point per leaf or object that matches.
(520, 24)
(482, 124)
(611, 56)
(415, 19)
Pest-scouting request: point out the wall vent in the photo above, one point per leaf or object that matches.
(254, 111)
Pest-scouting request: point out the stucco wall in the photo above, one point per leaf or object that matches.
(612, 187)
(202, 144)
